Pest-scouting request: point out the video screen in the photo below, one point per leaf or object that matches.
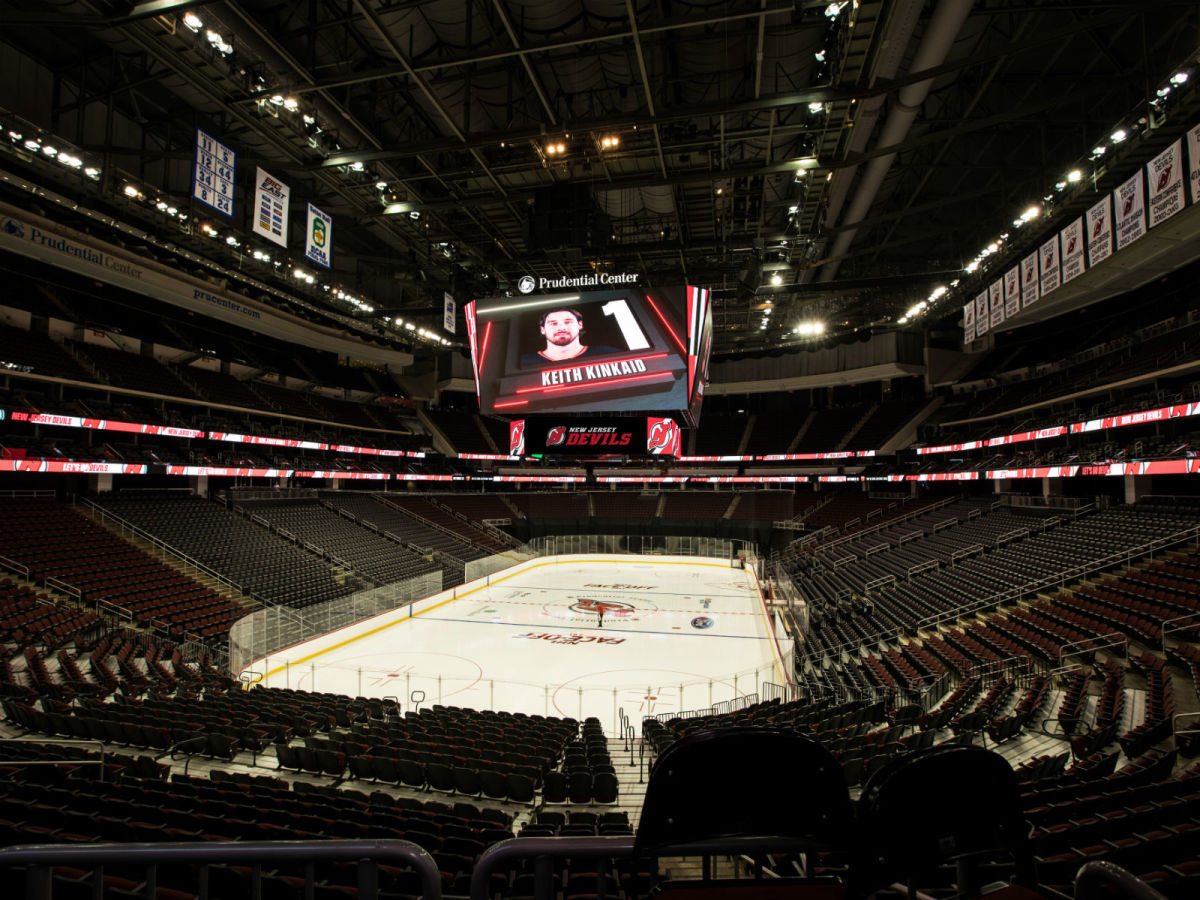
(624, 350)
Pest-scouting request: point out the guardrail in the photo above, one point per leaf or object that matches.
(163, 546)
(1059, 579)
(15, 567)
(39, 860)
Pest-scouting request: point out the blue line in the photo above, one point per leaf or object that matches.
(695, 631)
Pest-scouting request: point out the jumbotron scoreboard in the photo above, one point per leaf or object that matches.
(639, 350)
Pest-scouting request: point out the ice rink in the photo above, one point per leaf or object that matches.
(678, 633)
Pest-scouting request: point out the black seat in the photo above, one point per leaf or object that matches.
(579, 787)
(950, 803)
(554, 787)
(750, 807)
(604, 787)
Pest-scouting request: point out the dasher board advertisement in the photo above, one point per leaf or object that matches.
(625, 350)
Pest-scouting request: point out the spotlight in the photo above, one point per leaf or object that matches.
(1074, 175)
(776, 279)
(192, 21)
(291, 103)
(1179, 78)
(1119, 135)
(130, 191)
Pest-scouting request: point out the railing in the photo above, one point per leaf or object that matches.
(1090, 645)
(164, 547)
(57, 584)
(1059, 579)
(428, 523)
(40, 743)
(897, 520)
(717, 709)
(543, 851)
(15, 567)
(39, 860)
(1192, 620)
(653, 545)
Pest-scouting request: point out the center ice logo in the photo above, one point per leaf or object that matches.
(614, 608)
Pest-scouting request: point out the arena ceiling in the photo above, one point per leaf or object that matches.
(796, 156)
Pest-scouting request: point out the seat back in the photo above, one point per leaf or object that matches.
(952, 802)
(744, 789)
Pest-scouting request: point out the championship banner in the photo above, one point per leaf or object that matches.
(318, 240)
(213, 173)
(982, 316)
(969, 322)
(1012, 292)
(448, 310)
(1194, 162)
(996, 293)
(1072, 242)
(1029, 280)
(1099, 225)
(1049, 261)
(1164, 176)
(271, 198)
(1131, 211)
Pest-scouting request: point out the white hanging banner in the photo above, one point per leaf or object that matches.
(1100, 237)
(213, 173)
(996, 292)
(271, 197)
(448, 309)
(981, 313)
(1164, 176)
(969, 322)
(1029, 280)
(1012, 292)
(1049, 259)
(1194, 162)
(1071, 240)
(1131, 211)
(318, 240)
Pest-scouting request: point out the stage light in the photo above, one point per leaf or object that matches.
(192, 21)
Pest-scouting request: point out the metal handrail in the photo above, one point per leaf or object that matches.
(40, 858)
(163, 545)
(500, 857)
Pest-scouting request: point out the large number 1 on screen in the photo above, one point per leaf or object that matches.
(635, 339)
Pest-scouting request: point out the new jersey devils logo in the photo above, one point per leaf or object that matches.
(662, 436)
(612, 608)
(1099, 226)
(516, 438)
(1164, 178)
(556, 436)
(1127, 206)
